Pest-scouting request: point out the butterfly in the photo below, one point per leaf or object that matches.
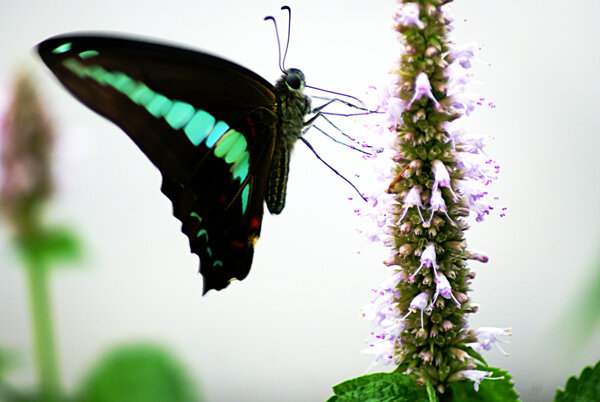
(220, 135)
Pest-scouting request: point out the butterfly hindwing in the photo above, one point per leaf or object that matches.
(221, 221)
(206, 123)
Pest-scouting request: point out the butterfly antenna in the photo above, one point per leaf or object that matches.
(287, 44)
(330, 167)
(278, 42)
(336, 93)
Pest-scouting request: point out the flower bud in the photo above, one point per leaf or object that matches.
(478, 256)
(430, 51)
(405, 250)
(460, 354)
(447, 325)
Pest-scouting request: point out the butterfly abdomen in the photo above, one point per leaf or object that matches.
(277, 179)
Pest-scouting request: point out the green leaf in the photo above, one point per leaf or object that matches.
(5, 361)
(137, 373)
(489, 390)
(431, 394)
(54, 245)
(378, 387)
(583, 325)
(584, 389)
(8, 394)
(473, 353)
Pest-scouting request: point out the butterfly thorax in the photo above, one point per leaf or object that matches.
(292, 106)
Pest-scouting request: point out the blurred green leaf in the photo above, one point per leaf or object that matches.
(588, 317)
(583, 325)
(9, 359)
(50, 246)
(6, 361)
(584, 389)
(137, 373)
(378, 387)
(489, 390)
(13, 395)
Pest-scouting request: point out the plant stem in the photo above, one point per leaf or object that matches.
(44, 348)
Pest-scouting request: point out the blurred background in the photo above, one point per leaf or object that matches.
(291, 330)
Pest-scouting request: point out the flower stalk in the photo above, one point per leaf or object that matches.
(26, 185)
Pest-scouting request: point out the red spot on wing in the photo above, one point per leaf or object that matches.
(254, 223)
(251, 125)
(223, 199)
(237, 244)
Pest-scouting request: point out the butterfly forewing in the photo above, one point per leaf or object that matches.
(206, 123)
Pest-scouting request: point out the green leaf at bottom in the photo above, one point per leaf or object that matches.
(137, 373)
(583, 389)
(378, 387)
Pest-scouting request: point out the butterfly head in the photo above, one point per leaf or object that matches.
(294, 79)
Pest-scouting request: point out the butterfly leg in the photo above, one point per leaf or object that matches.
(332, 168)
(330, 101)
(310, 123)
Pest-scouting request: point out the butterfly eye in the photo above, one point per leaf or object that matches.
(293, 80)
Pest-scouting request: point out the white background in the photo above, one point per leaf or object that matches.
(291, 330)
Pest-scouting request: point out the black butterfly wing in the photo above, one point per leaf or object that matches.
(207, 124)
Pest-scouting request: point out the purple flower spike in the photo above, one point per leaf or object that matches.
(437, 203)
(476, 376)
(408, 14)
(412, 199)
(427, 260)
(442, 178)
(419, 302)
(423, 87)
(444, 289)
(487, 336)
(436, 165)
